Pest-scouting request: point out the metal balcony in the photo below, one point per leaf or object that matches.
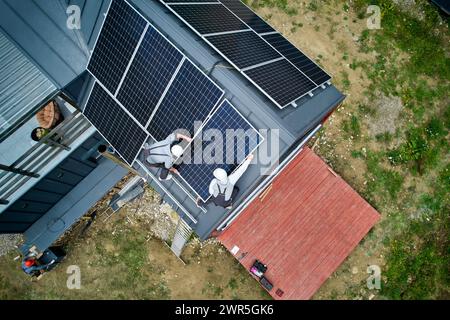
(33, 162)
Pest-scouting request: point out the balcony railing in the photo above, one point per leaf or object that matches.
(31, 164)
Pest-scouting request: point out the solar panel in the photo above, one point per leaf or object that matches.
(191, 97)
(152, 68)
(300, 60)
(244, 49)
(248, 16)
(208, 18)
(116, 126)
(237, 139)
(281, 80)
(116, 43)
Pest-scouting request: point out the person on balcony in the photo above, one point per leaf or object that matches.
(222, 188)
(48, 118)
(163, 154)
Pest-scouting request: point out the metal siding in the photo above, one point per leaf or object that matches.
(47, 192)
(22, 85)
(40, 29)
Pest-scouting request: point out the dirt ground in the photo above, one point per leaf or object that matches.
(123, 257)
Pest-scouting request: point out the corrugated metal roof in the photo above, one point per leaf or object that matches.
(303, 228)
(22, 85)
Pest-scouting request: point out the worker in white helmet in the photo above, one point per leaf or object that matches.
(163, 154)
(222, 188)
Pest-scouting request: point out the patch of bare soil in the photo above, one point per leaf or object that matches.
(387, 112)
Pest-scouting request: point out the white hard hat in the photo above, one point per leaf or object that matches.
(177, 150)
(220, 175)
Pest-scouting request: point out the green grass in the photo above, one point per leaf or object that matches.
(382, 182)
(418, 258)
(352, 127)
(412, 64)
(283, 5)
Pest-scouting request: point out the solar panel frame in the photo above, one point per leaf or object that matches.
(103, 134)
(209, 175)
(149, 75)
(91, 61)
(244, 49)
(185, 59)
(248, 16)
(262, 77)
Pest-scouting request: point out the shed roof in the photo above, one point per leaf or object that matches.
(303, 229)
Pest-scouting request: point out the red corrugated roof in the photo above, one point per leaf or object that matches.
(303, 229)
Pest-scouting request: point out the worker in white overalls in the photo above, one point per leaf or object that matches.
(162, 154)
(222, 188)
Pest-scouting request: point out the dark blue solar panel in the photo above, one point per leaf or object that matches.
(116, 43)
(227, 133)
(114, 124)
(244, 49)
(153, 66)
(191, 97)
(282, 81)
(306, 65)
(247, 15)
(209, 17)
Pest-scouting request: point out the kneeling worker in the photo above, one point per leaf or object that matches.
(222, 188)
(163, 154)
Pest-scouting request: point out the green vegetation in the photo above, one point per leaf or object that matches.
(411, 63)
(418, 259)
(352, 127)
(283, 5)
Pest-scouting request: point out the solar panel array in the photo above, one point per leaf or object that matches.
(248, 43)
(233, 138)
(144, 85)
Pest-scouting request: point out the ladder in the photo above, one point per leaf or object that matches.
(181, 237)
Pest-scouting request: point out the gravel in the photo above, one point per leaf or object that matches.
(9, 242)
(160, 217)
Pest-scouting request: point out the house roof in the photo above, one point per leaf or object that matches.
(60, 53)
(303, 229)
(291, 123)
